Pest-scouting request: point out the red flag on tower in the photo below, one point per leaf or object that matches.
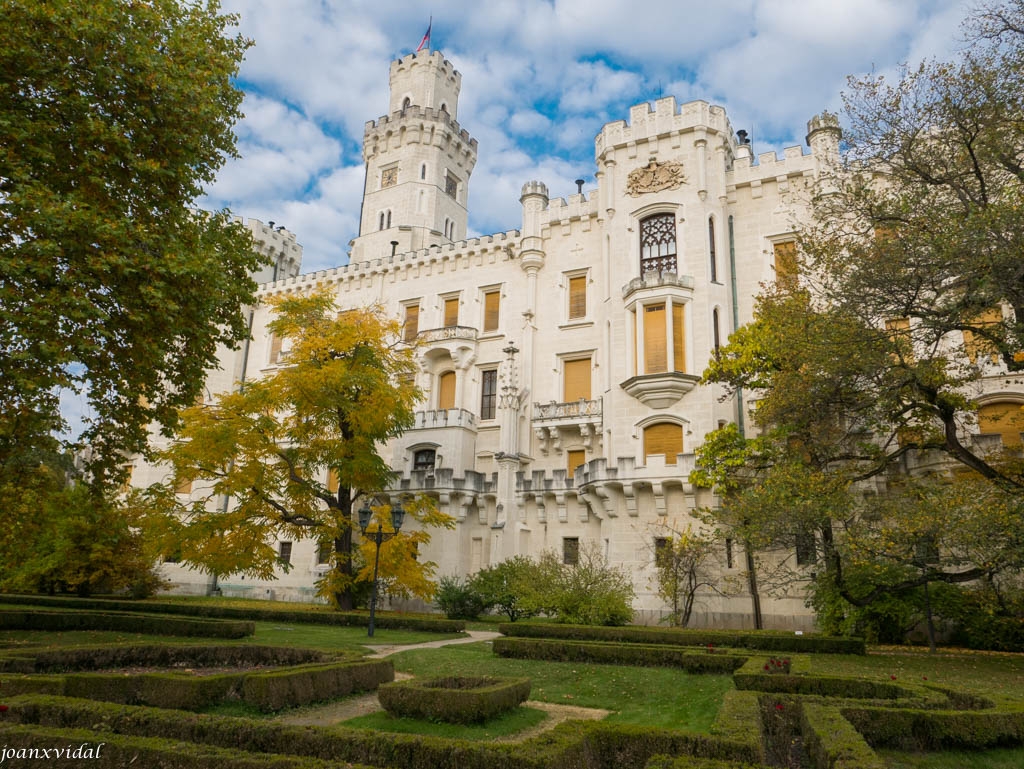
(425, 42)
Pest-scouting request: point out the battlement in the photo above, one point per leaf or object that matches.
(435, 59)
(665, 119)
(769, 166)
(268, 233)
(498, 244)
(577, 207)
(534, 188)
(413, 125)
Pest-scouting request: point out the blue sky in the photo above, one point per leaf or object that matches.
(540, 78)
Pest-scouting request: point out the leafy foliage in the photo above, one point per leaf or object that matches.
(502, 586)
(681, 567)
(119, 113)
(458, 598)
(295, 450)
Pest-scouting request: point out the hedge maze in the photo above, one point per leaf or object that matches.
(777, 715)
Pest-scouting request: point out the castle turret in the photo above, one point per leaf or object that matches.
(418, 162)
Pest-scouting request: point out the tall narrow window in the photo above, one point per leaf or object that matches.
(975, 343)
(728, 553)
(655, 332)
(412, 322)
(577, 380)
(284, 553)
(492, 305)
(577, 297)
(678, 340)
(711, 250)
(406, 102)
(488, 393)
(275, 349)
(451, 185)
(664, 438)
(786, 265)
(574, 459)
(451, 312)
(446, 390)
(423, 171)
(570, 550)
(389, 219)
(324, 551)
(658, 244)
(381, 227)
(716, 334)
(806, 550)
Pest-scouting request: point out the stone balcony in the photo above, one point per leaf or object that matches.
(553, 422)
(446, 333)
(426, 420)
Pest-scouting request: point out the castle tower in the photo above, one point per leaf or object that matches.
(418, 162)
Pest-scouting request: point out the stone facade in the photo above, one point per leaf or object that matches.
(560, 362)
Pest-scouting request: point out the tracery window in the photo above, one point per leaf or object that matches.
(658, 244)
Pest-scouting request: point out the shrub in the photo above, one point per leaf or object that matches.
(616, 654)
(831, 740)
(922, 730)
(278, 689)
(56, 621)
(458, 598)
(504, 585)
(455, 699)
(588, 593)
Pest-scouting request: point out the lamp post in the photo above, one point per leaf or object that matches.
(379, 536)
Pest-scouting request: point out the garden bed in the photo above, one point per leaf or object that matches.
(455, 699)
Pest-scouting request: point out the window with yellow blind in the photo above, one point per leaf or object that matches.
(786, 264)
(577, 297)
(332, 481)
(574, 459)
(412, 322)
(663, 438)
(451, 312)
(1004, 419)
(446, 390)
(655, 348)
(899, 332)
(976, 344)
(275, 349)
(576, 380)
(185, 487)
(492, 307)
(678, 345)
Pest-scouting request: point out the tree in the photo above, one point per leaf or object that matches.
(911, 280)
(295, 450)
(503, 585)
(589, 592)
(114, 116)
(680, 561)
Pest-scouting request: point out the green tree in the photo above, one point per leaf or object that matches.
(589, 592)
(503, 585)
(911, 281)
(295, 450)
(681, 562)
(114, 116)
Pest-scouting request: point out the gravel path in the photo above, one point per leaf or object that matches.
(335, 712)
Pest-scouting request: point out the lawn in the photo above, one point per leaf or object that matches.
(509, 723)
(651, 696)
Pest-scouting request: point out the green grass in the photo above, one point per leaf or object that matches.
(997, 676)
(510, 723)
(1000, 758)
(652, 696)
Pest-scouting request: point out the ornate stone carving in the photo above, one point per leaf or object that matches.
(654, 177)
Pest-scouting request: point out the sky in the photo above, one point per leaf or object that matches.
(539, 79)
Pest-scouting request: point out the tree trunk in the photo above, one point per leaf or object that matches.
(344, 599)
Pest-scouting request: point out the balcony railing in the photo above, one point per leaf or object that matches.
(658, 264)
(580, 408)
(444, 418)
(446, 333)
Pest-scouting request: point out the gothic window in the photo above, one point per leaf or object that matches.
(423, 171)
(424, 459)
(658, 244)
(389, 218)
(715, 331)
(406, 103)
(381, 222)
(488, 393)
(711, 247)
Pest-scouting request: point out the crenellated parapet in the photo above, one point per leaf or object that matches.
(413, 125)
(474, 252)
(279, 244)
(563, 212)
(667, 120)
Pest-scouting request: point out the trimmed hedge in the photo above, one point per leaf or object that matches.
(267, 690)
(832, 742)
(77, 658)
(616, 654)
(762, 640)
(149, 752)
(912, 729)
(737, 719)
(347, 619)
(753, 677)
(454, 699)
(686, 762)
(568, 746)
(57, 621)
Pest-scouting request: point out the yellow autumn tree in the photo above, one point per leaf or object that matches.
(295, 451)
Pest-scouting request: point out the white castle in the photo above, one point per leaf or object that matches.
(560, 362)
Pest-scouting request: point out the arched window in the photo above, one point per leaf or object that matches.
(446, 227)
(444, 108)
(711, 249)
(389, 218)
(381, 227)
(406, 103)
(423, 171)
(658, 244)
(446, 390)
(715, 331)
(664, 438)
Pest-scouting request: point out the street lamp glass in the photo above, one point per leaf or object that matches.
(397, 516)
(365, 514)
